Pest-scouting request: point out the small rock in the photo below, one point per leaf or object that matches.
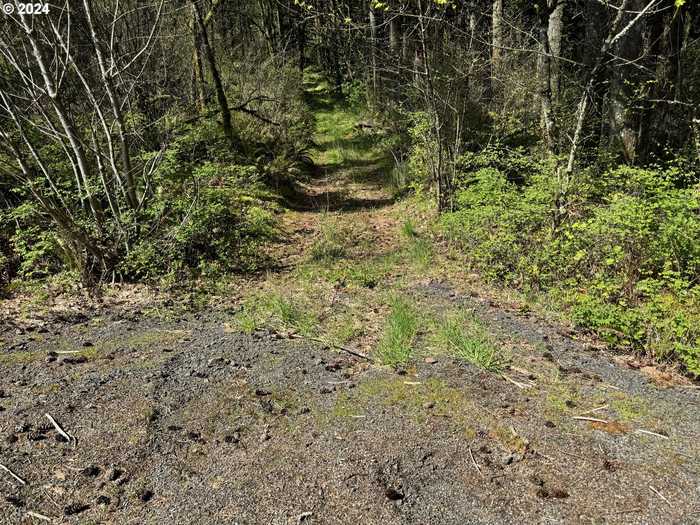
(216, 362)
(327, 389)
(549, 424)
(74, 360)
(146, 495)
(22, 427)
(262, 392)
(103, 500)
(393, 495)
(507, 459)
(334, 365)
(75, 508)
(91, 471)
(113, 473)
(88, 344)
(428, 405)
(14, 501)
(431, 360)
(232, 438)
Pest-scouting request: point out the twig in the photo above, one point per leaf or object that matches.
(68, 351)
(595, 420)
(522, 371)
(660, 495)
(317, 340)
(594, 410)
(38, 516)
(19, 480)
(519, 385)
(58, 428)
(642, 431)
(476, 465)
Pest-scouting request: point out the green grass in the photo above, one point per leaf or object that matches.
(401, 328)
(465, 338)
(408, 229)
(278, 312)
(331, 243)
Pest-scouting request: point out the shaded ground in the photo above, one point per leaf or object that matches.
(234, 415)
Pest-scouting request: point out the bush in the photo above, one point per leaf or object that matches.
(625, 257)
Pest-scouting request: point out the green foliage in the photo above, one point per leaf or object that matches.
(401, 328)
(621, 250)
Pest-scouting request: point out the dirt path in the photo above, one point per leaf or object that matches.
(231, 415)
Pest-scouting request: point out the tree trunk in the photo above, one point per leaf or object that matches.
(623, 119)
(218, 86)
(496, 41)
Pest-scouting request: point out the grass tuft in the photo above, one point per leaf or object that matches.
(467, 339)
(330, 245)
(277, 312)
(396, 345)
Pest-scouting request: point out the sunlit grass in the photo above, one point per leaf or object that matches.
(401, 328)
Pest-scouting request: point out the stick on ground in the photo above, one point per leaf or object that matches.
(58, 428)
(36, 515)
(594, 419)
(17, 478)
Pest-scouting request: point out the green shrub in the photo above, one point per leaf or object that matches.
(622, 248)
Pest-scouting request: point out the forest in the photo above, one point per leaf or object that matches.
(559, 141)
(349, 261)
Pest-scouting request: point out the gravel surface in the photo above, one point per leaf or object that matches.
(186, 422)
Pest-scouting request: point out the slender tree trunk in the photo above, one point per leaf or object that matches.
(218, 86)
(116, 109)
(554, 32)
(496, 42)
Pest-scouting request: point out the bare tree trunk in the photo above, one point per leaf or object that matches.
(218, 86)
(373, 51)
(554, 31)
(116, 109)
(496, 41)
(199, 86)
(623, 119)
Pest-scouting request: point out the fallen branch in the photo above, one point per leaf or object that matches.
(642, 431)
(33, 514)
(660, 495)
(594, 410)
(595, 420)
(19, 480)
(58, 428)
(476, 465)
(317, 340)
(519, 385)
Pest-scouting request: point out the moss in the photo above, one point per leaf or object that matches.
(629, 408)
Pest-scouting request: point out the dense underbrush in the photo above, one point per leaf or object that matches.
(619, 250)
(205, 208)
